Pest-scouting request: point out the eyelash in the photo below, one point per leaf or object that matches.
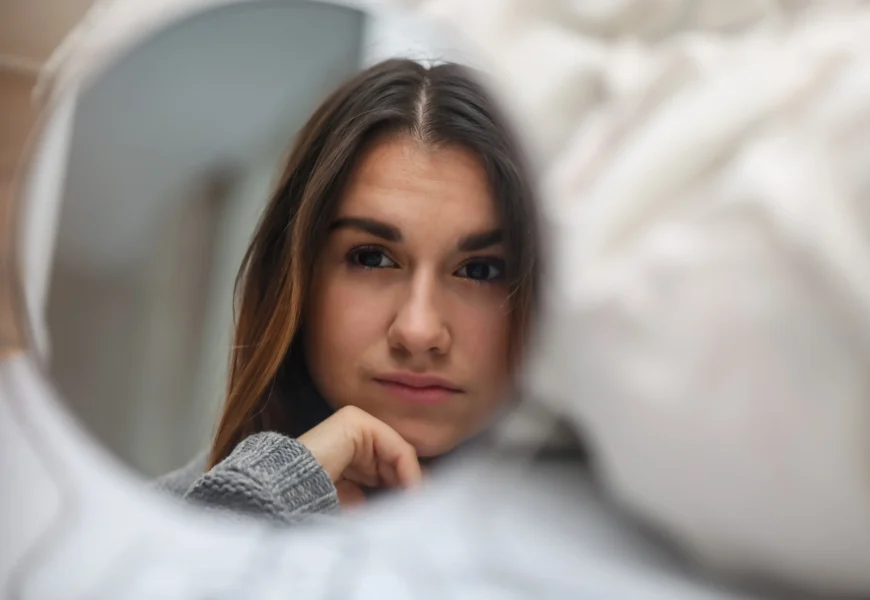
(492, 263)
(355, 253)
(496, 263)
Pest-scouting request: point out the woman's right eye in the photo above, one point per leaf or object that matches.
(370, 258)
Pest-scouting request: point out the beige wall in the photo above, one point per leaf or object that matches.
(31, 29)
(16, 120)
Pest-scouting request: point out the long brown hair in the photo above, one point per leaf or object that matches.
(441, 105)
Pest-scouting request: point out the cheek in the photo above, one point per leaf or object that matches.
(483, 336)
(345, 320)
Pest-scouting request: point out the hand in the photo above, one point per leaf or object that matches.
(358, 450)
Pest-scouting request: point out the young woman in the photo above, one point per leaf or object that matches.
(383, 302)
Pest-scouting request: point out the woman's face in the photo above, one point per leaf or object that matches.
(408, 315)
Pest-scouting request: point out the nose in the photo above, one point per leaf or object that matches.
(419, 327)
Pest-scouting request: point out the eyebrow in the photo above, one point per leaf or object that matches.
(480, 241)
(470, 243)
(379, 229)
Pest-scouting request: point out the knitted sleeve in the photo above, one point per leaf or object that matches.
(267, 475)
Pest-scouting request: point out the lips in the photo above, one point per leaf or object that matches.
(418, 389)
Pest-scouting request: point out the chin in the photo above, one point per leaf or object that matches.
(429, 442)
(432, 450)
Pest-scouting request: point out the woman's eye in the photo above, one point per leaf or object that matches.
(371, 258)
(480, 270)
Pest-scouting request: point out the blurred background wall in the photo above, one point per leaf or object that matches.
(150, 239)
(29, 31)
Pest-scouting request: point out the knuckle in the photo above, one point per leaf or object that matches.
(349, 412)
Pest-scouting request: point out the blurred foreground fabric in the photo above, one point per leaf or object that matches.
(707, 169)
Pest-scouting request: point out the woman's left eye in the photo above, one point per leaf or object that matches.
(482, 270)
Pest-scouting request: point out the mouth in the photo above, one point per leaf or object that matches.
(418, 389)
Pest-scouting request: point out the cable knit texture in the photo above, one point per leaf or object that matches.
(268, 475)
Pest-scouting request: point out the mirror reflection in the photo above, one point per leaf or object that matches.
(265, 253)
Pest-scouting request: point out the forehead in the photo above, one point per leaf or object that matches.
(409, 184)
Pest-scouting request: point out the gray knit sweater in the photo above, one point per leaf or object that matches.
(267, 475)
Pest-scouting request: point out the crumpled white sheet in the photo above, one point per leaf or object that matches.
(707, 169)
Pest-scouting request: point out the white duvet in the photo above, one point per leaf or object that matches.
(707, 169)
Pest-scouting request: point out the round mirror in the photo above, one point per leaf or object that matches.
(168, 156)
(227, 198)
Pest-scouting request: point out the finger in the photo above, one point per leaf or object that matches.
(349, 494)
(389, 478)
(364, 477)
(380, 443)
(407, 469)
(400, 456)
